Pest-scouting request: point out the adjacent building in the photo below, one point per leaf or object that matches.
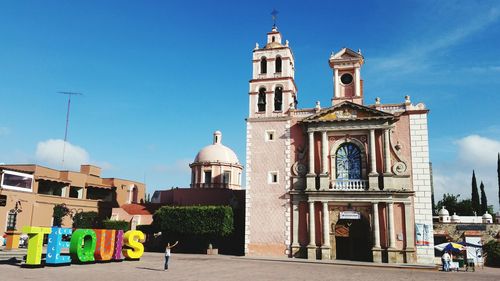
(346, 181)
(29, 192)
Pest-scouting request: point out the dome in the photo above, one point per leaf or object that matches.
(443, 212)
(487, 216)
(455, 218)
(216, 152)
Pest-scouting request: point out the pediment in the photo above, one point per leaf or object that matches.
(347, 111)
(346, 53)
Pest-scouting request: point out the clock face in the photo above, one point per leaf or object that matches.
(346, 78)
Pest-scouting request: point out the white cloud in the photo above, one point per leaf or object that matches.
(478, 151)
(4, 131)
(420, 55)
(180, 166)
(50, 152)
(474, 152)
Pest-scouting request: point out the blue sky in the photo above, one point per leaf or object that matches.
(159, 77)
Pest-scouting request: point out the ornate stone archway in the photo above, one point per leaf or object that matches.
(334, 212)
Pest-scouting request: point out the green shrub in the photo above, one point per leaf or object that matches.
(60, 211)
(492, 250)
(208, 221)
(111, 224)
(86, 220)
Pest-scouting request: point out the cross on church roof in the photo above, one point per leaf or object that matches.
(274, 14)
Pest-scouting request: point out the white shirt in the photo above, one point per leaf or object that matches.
(446, 257)
(167, 252)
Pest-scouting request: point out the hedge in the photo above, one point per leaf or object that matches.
(492, 249)
(110, 224)
(86, 220)
(210, 221)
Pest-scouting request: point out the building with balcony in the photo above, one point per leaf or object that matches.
(30, 192)
(347, 181)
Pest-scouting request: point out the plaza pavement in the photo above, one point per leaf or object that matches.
(203, 267)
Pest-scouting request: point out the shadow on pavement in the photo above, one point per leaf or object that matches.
(147, 268)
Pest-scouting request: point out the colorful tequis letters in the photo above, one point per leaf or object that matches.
(86, 245)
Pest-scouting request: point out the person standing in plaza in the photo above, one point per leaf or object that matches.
(446, 261)
(167, 253)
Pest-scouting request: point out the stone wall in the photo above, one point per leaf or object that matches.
(491, 232)
(421, 180)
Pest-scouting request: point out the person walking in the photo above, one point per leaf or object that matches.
(446, 261)
(167, 253)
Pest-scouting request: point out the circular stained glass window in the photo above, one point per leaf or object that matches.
(346, 79)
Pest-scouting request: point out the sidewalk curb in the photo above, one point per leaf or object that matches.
(345, 263)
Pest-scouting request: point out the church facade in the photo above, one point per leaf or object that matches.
(348, 181)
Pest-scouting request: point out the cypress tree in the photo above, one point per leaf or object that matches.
(498, 175)
(484, 201)
(475, 195)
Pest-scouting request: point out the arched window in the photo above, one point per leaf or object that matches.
(263, 65)
(261, 103)
(135, 194)
(278, 64)
(273, 39)
(278, 98)
(348, 162)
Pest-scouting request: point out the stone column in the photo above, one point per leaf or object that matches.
(373, 160)
(391, 251)
(323, 179)
(324, 153)
(373, 175)
(311, 153)
(377, 251)
(388, 180)
(295, 228)
(311, 176)
(392, 234)
(336, 83)
(311, 248)
(325, 249)
(387, 152)
(410, 235)
(357, 85)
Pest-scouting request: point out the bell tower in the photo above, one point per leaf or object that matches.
(272, 87)
(347, 83)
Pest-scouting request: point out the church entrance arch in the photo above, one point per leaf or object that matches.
(353, 239)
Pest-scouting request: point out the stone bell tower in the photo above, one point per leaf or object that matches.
(347, 83)
(268, 163)
(272, 88)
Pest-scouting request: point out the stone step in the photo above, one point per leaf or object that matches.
(12, 255)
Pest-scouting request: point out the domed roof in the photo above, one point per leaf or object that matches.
(487, 216)
(443, 212)
(216, 152)
(455, 217)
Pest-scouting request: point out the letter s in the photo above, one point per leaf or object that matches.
(132, 239)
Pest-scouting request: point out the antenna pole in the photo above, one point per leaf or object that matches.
(67, 122)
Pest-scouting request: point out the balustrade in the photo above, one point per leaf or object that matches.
(356, 185)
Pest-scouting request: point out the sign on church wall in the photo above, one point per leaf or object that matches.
(350, 215)
(423, 234)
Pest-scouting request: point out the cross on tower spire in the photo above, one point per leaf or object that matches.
(274, 14)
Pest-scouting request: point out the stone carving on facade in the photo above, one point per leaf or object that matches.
(400, 167)
(299, 168)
